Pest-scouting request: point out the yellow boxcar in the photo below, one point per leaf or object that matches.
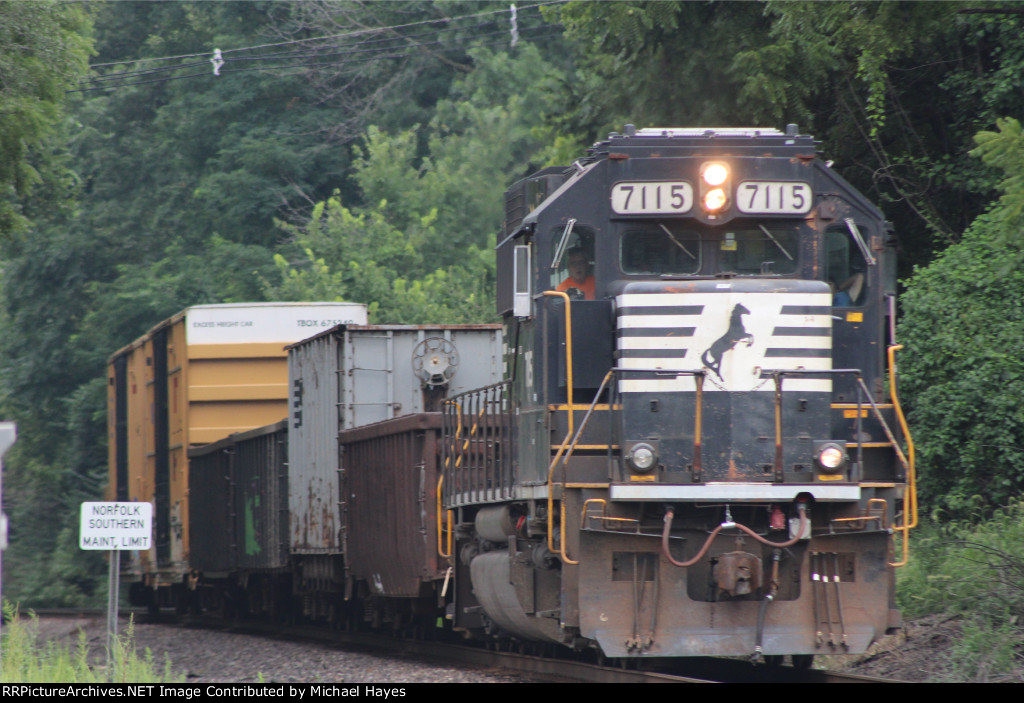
(203, 374)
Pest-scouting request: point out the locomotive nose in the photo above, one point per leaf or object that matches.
(699, 377)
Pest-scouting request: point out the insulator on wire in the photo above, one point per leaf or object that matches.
(217, 62)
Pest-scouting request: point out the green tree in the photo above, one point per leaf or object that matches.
(420, 248)
(44, 47)
(1005, 150)
(963, 373)
(897, 91)
(655, 63)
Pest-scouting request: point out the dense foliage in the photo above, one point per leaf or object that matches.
(964, 375)
(44, 48)
(965, 570)
(420, 248)
(358, 150)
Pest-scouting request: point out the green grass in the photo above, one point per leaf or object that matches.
(28, 660)
(974, 571)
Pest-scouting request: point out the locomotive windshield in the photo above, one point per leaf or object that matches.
(760, 250)
(667, 249)
(661, 249)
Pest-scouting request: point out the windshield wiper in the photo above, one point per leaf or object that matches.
(561, 244)
(855, 233)
(676, 241)
(776, 241)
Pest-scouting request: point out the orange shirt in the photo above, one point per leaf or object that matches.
(587, 286)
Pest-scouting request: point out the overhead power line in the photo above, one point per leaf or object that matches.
(302, 61)
(368, 46)
(326, 49)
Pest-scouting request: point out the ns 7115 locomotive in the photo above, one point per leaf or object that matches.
(694, 445)
(696, 449)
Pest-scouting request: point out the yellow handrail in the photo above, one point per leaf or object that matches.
(554, 462)
(602, 517)
(910, 499)
(867, 516)
(440, 484)
(458, 462)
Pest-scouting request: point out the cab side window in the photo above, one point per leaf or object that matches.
(573, 271)
(845, 268)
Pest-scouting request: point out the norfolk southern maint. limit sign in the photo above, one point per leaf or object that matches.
(116, 526)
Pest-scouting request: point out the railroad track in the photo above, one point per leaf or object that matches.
(692, 671)
(527, 666)
(559, 668)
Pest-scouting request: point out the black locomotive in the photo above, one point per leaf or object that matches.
(704, 458)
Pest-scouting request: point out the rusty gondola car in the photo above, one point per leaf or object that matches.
(687, 443)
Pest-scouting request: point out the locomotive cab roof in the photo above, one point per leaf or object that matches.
(746, 141)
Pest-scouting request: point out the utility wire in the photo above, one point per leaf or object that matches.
(356, 33)
(388, 51)
(262, 56)
(401, 40)
(411, 51)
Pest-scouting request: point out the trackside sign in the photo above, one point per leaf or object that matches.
(116, 526)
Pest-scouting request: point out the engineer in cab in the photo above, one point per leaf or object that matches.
(580, 283)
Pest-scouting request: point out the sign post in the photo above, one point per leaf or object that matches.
(115, 526)
(8, 433)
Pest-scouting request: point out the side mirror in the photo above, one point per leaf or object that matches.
(521, 299)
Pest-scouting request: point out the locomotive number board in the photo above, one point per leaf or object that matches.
(773, 198)
(652, 198)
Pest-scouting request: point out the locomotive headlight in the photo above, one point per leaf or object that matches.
(714, 199)
(831, 456)
(714, 186)
(642, 457)
(715, 174)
